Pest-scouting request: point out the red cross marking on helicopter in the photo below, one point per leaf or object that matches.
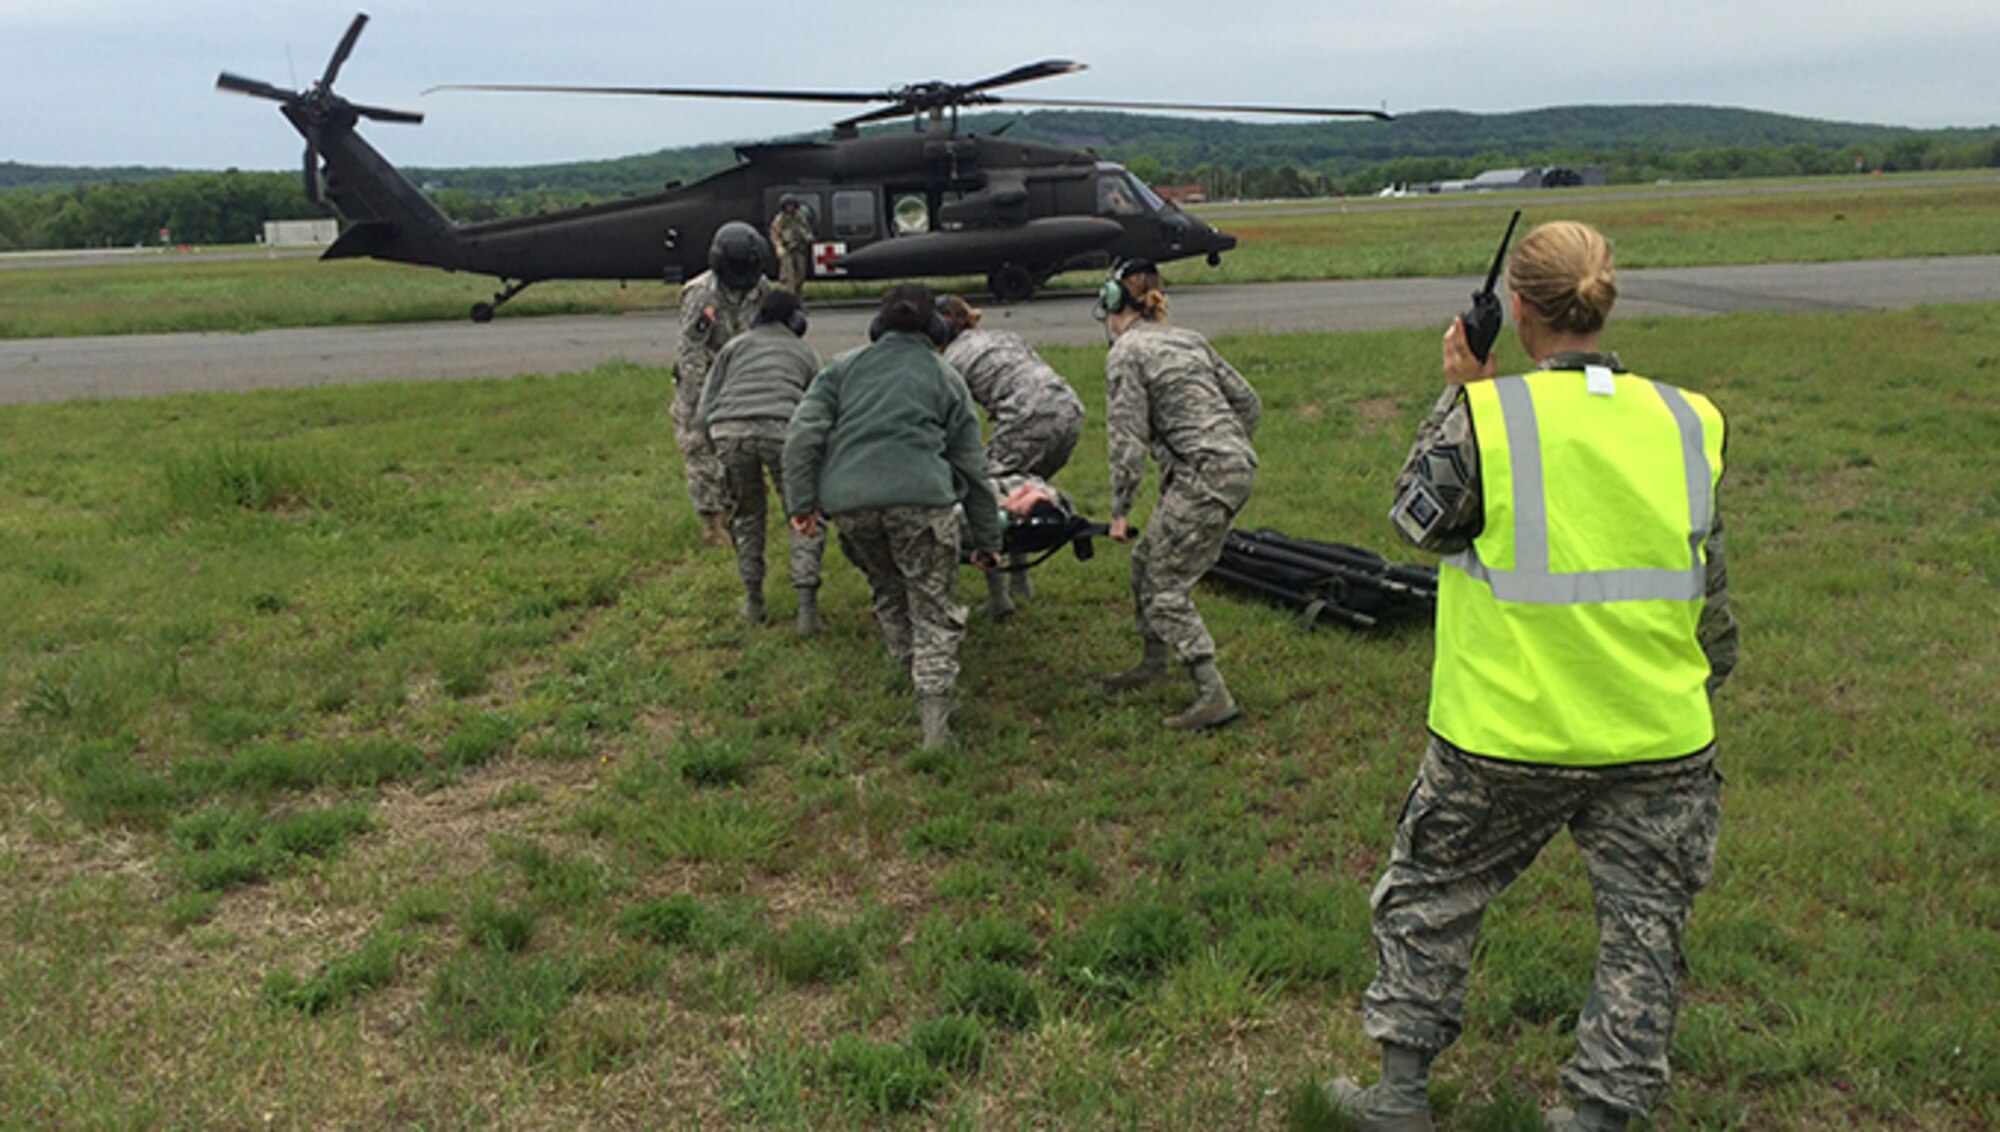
(823, 257)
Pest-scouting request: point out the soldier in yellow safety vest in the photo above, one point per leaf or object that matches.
(1582, 626)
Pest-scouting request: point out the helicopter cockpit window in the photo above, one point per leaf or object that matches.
(911, 215)
(854, 215)
(1115, 196)
(1150, 198)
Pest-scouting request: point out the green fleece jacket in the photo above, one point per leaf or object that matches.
(890, 425)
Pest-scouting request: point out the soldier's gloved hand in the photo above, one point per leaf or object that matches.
(986, 560)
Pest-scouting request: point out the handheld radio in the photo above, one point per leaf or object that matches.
(1484, 318)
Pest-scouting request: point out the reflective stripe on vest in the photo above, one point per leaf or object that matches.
(1530, 580)
(1566, 633)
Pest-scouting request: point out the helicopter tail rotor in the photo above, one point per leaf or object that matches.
(317, 107)
(346, 48)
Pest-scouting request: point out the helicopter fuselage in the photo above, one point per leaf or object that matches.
(882, 206)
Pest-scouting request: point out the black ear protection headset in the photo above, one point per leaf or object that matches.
(794, 322)
(939, 329)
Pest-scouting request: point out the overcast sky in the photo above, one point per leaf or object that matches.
(131, 82)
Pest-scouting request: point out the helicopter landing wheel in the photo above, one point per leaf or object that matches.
(483, 312)
(1010, 283)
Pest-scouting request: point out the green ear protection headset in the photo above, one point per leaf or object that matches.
(1112, 296)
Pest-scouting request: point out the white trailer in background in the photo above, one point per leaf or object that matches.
(300, 233)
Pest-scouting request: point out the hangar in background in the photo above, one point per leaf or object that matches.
(1496, 180)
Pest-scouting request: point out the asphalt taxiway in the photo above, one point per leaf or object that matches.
(146, 365)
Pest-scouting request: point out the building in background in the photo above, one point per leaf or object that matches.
(300, 233)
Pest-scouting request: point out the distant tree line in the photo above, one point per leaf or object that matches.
(1622, 166)
(206, 208)
(46, 208)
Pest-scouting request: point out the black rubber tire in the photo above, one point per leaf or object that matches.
(1010, 283)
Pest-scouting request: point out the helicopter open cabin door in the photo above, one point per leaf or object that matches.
(844, 218)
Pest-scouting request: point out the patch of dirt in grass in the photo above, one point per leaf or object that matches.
(446, 831)
(64, 851)
(1375, 415)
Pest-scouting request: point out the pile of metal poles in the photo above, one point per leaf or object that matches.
(1326, 579)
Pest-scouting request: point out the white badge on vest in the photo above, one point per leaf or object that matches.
(1598, 382)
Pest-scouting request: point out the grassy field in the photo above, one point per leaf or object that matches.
(393, 756)
(1374, 239)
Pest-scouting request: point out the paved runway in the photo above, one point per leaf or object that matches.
(57, 369)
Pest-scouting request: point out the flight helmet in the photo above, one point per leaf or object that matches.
(738, 254)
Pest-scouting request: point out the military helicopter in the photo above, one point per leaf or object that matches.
(929, 202)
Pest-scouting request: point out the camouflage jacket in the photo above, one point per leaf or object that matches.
(711, 315)
(791, 233)
(1008, 379)
(1167, 390)
(759, 377)
(1444, 460)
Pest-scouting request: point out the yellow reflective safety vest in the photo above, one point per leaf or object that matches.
(1566, 633)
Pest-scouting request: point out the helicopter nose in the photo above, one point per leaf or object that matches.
(1209, 238)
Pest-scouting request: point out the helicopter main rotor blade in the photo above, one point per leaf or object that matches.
(255, 88)
(385, 114)
(1213, 108)
(900, 110)
(313, 191)
(1028, 72)
(341, 52)
(678, 92)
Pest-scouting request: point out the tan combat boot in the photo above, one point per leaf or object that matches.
(934, 714)
(809, 622)
(999, 606)
(1017, 576)
(1152, 668)
(1588, 1116)
(1399, 1102)
(1213, 707)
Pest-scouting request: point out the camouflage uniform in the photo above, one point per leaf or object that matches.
(1166, 389)
(753, 385)
(792, 236)
(1646, 831)
(1647, 834)
(711, 315)
(747, 457)
(886, 443)
(910, 556)
(1036, 416)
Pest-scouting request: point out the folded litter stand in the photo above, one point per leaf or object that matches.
(1326, 579)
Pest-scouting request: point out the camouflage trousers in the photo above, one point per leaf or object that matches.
(910, 555)
(1182, 540)
(706, 485)
(1647, 834)
(794, 268)
(1038, 446)
(747, 461)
